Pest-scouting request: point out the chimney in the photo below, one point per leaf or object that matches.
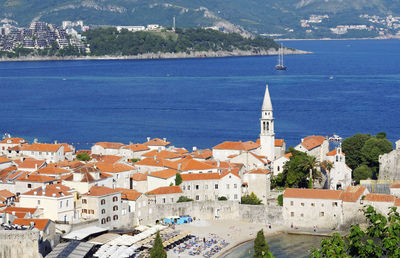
(54, 195)
(32, 224)
(55, 142)
(194, 148)
(130, 143)
(179, 166)
(34, 193)
(22, 159)
(13, 213)
(35, 140)
(164, 139)
(36, 166)
(302, 139)
(148, 139)
(218, 163)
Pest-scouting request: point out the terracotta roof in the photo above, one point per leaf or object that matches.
(30, 163)
(259, 171)
(139, 177)
(113, 168)
(202, 154)
(166, 190)
(379, 198)
(110, 145)
(165, 174)
(162, 154)
(181, 150)
(311, 142)
(200, 176)
(260, 158)
(101, 191)
(312, 193)
(13, 140)
(4, 160)
(279, 142)
(129, 194)
(36, 178)
(192, 164)
(395, 185)
(67, 147)
(42, 147)
(353, 193)
(136, 147)
(84, 151)
(38, 223)
(70, 164)
(52, 170)
(288, 155)
(6, 194)
(249, 145)
(333, 153)
(55, 191)
(156, 162)
(156, 142)
(20, 210)
(397, 202)
(106, 158)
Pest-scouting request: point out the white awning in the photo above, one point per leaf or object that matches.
(83, 233)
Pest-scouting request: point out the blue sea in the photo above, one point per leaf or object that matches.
(343, 87)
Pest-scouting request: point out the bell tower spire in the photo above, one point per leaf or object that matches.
(267, 134)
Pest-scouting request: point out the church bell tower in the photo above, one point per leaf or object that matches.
(267, 135)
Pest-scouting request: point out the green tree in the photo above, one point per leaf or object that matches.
(184, 199)
(222, 198)
(178, 179)
(361, 173)
(379, 239)
(158, 249)
(250, 199)
(327, 165)
(280, 200)
(261, 248)
(83, 156)
(352, 147)
(309, 163)
(373, 147)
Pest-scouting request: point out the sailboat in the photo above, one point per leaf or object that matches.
(280, 65)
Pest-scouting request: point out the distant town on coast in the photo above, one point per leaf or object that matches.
(137, 199)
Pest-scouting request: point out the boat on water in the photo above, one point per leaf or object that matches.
(280, 65)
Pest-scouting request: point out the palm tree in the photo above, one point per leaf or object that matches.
(328, 165)
(309, 163)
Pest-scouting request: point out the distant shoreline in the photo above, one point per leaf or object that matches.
(199, 54)
(327, 39)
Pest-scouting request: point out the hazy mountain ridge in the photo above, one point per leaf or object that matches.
(256, 16)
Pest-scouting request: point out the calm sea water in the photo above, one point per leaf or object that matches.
(282, 246)
(201, 102)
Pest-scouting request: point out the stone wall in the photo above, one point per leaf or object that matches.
(21, 243)
(389, 165)
(218, 210)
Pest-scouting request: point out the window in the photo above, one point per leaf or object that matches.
(144, 203)
(103, 221)
(66, 205)
(334, 204)
(115, 217)
(227, 186)
(313, 204)
(91, 211)
(163, 200)
(292, 214)
(84, 211)
(84, 201)
(302, 204)
(321, 214)
(206, 187)
(302, 215)
(278, 168)
(188, 187)
(172, 200)
(38, 202)
(197, 187)
(60, 204)
(29, 185)
(115, 208)
(103, 201)
(103, 211)
(235, 196)
(291, 203)
(197, 197)
(216, 186)
(115, 199)
(322, 205)
(108, 219)
(235, 186)
(183, 187)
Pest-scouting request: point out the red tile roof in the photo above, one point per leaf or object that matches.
(13, 140)
(202, 154)
(70, 164)
(333, 153)
(139, 177)
(312, 193)
(353, 193)
(397, 202)
(165, 174)
(6, 194)
(166, 190)
(181, 150)
(4, 160)
(279, 142)
(259, 171)
(107, 158)
(56, 190)
(67, 147)
(395, 185)
(52, 170)
(101, 191)
(156, 142)
(40, 224)
(311, 142)
(200, 176)
(113, 168)
(249, 145)
(29, 163)
(110, 145)
(379, 198)
(129, 194)
(42, 147)
(136, 147)
(162, 154)
(20, 212)
(36, 178)
(192, 164)
(288, 155)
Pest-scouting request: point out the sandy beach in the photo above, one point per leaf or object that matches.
(233, 232)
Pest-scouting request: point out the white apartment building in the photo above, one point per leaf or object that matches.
(49, 152)
(315, 145)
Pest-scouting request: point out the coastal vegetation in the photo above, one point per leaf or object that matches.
(362, 154)
(280, 200)
(379, 239)
(222, 198)
(83, 156)
(158, 249)
(251, 199)
(299, 171)
(178, 179)
(184, 199)
(261, 248)
(108, 41)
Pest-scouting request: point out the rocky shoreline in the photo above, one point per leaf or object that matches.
(195, 54)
